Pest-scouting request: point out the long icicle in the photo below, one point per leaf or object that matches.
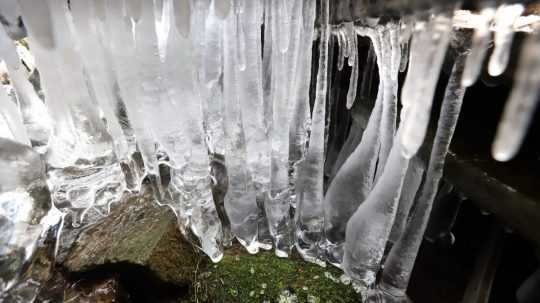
(400, 262)
(309, 216)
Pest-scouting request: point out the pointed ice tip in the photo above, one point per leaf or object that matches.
(495, 70)
(502, 154)
(216, 257)
(467, 82)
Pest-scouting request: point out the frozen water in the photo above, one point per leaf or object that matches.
(24, 201)
(521, 105)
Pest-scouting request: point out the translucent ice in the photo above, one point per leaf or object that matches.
(24, 201)
(521, 105)
(309, 216)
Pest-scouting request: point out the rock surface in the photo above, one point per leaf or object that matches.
(140, 233)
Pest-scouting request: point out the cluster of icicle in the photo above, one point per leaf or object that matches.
(131, 85)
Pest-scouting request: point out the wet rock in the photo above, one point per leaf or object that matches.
(137, 233)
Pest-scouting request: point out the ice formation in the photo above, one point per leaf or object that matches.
(184, 83)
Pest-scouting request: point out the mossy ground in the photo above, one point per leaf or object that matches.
(244, 278)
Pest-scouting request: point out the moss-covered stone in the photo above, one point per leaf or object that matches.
(240, 277)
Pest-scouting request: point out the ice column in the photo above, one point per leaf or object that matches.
(24, 201)
(250, 89)
(87, 23)
(411, 186)
(240, 200)
(190, 181)
(400, 262)
(84, 172)
(354, 180)
(521, 105)
(369, 227)
(277, 205)
(301, 112)
(309, 210)
(121, 54)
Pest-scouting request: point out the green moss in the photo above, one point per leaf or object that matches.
(266, 278)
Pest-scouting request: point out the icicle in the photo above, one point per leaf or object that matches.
(349, 188)
(353, 61)
(505, 17)
(34, 113)
(182, 139)
(411, 186)
(400, 262)
(521, 106)
(277, 206)
(406, 29)
(101, 77)
(240, 27)
(38, 20)
(427, 53)
(240, 200)
(121, 55)
(24, 201)
(351, 38)
(283, 23)
(11, 124)
(341, 49)
(163, 23)
(212, 70)
(369, 227)
(479, 48)
(309, 216)
(79, 134)
(388, 81)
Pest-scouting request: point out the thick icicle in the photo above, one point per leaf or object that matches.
(182, 138)
(479, 48)
(369, 227)
(34, 114)
(240, 200)
(521, 105)
(411, 186)
(121, 55)
(79, 134)
(505, 17)
(400, 262)
(250, 87)
(428, 47)
(309, 216)
(354, 180)
(301, 113)
(100, 74)
(24, 201)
